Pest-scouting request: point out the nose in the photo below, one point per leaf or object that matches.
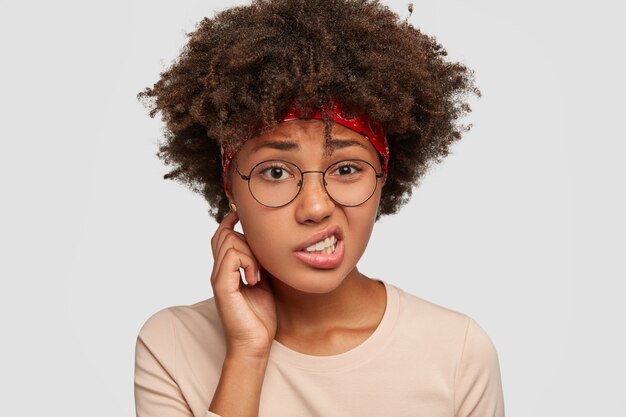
(313, 203)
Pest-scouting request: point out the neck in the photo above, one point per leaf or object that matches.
(302, 314)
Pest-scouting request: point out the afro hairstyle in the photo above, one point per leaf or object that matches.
(240, 71)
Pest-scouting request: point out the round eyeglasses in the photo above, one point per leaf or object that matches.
(276, 183)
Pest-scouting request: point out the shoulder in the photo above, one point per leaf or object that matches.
(183, 339)
(451, 333)
(454, 342)
(180, 322)
(431, 318)
(178, 359)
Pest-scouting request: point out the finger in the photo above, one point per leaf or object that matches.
(219, 239)
(238, 243)
(230, 220)
(227, 280)
(227, 240)
(264, 284)
(228, 223)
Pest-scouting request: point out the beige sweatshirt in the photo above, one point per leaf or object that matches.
(423, 360)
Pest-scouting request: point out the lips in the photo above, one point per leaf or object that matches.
(328, 232)
(323, 260)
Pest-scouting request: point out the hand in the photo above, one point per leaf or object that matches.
(248, 313)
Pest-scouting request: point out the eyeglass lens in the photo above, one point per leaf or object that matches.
(275, 183)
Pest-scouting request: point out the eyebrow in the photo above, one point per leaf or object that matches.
(289, 145)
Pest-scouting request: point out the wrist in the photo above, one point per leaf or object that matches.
(247, 358)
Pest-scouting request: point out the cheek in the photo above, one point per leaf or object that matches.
(265, 237)
(360, 227)
(361, 220)
(370, 208)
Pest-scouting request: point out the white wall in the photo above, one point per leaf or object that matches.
(521, 227)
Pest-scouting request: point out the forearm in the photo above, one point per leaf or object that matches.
(238, 392)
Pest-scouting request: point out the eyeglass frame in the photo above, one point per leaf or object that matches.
(301, 182)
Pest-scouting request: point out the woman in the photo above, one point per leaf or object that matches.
(306, 121)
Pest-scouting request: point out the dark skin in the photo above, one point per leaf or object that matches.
(338, 335)
(318, 311)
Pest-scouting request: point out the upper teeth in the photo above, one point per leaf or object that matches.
(322, 244)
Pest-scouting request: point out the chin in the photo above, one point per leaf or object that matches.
(313, 281)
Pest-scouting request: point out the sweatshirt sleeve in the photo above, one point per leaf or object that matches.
(156, 392)
(478, 385)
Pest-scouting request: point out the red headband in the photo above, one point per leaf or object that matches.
(359, 123)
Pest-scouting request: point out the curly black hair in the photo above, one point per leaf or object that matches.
(244, 67)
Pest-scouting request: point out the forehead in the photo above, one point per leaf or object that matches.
(303, 136)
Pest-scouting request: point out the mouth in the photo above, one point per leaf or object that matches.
(325, 246)
(323, 250)
(322, 242)
(328, 258)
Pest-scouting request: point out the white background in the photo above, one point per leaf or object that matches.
(522, 227)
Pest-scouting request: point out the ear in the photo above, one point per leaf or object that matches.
(229, 195)
(231, 200)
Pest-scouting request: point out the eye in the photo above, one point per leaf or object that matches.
(347, 168)
(274, 172)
